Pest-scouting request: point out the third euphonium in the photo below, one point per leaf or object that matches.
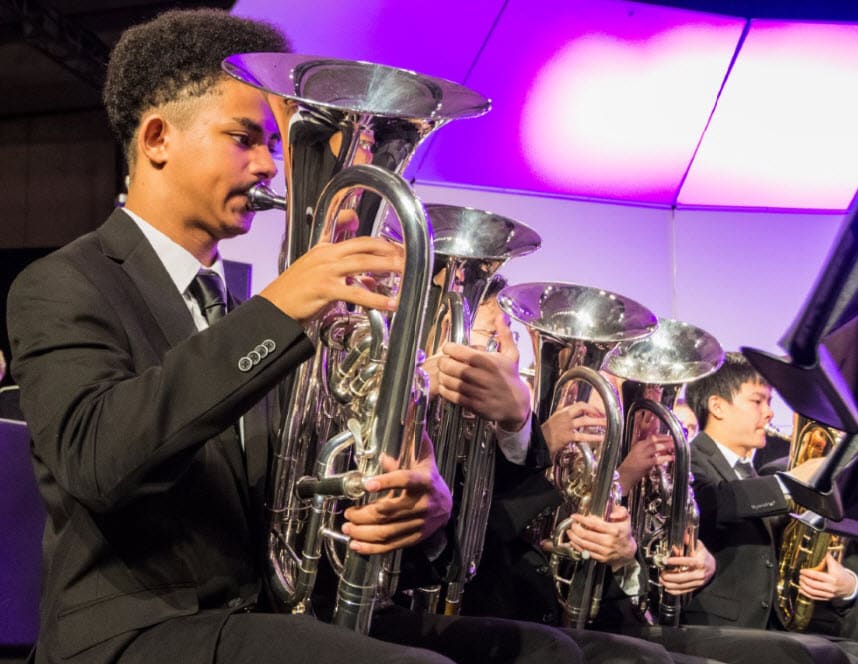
(803, 542)
(470, 247)
(573, 328)
(662, 506)
(349, 128)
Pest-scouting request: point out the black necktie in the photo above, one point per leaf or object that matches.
(210, 293)
(744, 470)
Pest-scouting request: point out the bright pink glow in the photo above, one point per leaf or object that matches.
(621, 117)
(785, 134)
(390, 32)
(598, 99)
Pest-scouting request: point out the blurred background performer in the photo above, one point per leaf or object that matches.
(514, 578)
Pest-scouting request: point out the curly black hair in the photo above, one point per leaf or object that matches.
(175, 56)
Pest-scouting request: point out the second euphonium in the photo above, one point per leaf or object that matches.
(470, 247)
(573, 328)
(349, 128)
(804, 543)
(662, 506)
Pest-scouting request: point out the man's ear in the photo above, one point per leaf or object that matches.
(715, 406)
(153, 139)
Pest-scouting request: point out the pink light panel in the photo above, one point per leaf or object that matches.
(608, 100)
(627, 113)
(785, 133)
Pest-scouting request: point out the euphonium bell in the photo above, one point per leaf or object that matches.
(337, 113)
(573, 328)
(349, 128)
(663, 510)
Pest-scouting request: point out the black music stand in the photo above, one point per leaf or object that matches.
(811, 383)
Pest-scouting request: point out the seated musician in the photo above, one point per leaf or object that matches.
(738, 510)
(151, 407)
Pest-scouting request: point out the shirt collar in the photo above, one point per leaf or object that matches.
(181, 264)
(730, 455)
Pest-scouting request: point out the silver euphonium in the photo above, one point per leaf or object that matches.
(470, 247)
(573, 328)
(662, 506)
(349, 129)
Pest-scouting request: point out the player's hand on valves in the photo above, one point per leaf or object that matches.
(655, 449)
(579, 422)
(330, 272)
(682, 574)
(487, 383)
(607, 541)
(413, 504)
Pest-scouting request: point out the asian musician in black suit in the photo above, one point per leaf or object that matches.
(741, 513)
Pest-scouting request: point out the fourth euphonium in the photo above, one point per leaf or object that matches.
(573, 328)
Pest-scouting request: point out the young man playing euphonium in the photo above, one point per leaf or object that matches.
(149, 409)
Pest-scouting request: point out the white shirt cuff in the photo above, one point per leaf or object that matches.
(514, 444)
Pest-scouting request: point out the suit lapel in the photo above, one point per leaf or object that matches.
(723, 468)
(171, 322)
(123, 241)
(710, 448)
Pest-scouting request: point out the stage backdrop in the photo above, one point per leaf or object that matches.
(697, 163)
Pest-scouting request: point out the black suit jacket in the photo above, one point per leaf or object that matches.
(513, 579)
(736, 527)
(153, 511)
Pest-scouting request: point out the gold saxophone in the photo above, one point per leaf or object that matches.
(349, 129)
(663, 510)
(573, 328)
(803, 542)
